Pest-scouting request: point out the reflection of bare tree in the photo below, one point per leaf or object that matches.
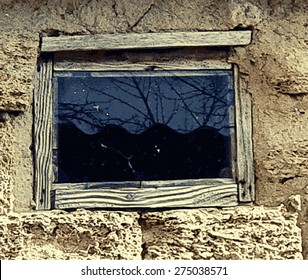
(138, 102)
(143, 127)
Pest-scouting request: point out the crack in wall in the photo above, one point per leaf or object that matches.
(142, 224)
(288, 178)
(142, 16)
(114, 7)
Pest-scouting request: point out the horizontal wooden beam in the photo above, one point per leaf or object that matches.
(164, 194)
(148, 40)
(120, 66)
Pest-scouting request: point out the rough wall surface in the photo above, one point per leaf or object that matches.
(236, 233)
(240, 233)
(6, 171)
(273, 70)
(18, 54)
(79, 235)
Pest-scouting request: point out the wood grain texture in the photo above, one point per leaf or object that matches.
(201, 193)
(43, 136)
(148, 40)
(232, 140)
(55, 137)
(120, 66)
(245, 171)
(55, 113)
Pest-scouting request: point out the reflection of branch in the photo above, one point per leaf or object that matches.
(210, 93)
(149, 116)
(121, 154)
(205, 91)
(137, 102)
(118, 82)
(215, 101)
(115, 98)
(145, 100)
(79, 119)
(184, 103)
(78, 113)
(173, 113)
(141, 95)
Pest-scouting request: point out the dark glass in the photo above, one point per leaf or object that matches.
(157, 125)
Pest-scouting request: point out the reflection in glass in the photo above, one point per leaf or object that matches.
(156, 125)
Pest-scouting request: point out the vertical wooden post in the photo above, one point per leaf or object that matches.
(43, 135)
(245, 172)
(55, 129)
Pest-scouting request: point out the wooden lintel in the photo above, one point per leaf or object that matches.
(148, 40)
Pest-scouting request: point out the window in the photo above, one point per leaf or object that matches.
(143, 125)
(131, 135)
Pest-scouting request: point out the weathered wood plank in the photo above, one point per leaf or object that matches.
(55, 137)
(187, 183)
(55, 113)
(148, 40)
(92, 186)
(120, 66)
(143, 184)
(232, 140)
(54, 165)
(218, 195)
(43, 136)
(245, 172)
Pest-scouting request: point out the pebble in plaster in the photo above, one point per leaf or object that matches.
(245, 14)
(4, 116)
(294, 203)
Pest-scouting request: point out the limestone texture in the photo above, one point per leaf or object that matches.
(235, 233)
(78, 235)
(273, 70)
(7, 173)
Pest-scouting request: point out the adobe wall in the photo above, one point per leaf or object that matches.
(274, 71)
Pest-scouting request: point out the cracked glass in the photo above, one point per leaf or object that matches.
(143, 125)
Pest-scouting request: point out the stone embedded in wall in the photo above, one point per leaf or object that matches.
(23, 161)
(10, 238)
(293, 84)
(245, 14)
(235, 233)
(18, 56)
(294, 203)
(6, 196)
(6, 168)
(78, 235)
(4, 116)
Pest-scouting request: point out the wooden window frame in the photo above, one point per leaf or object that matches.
(217, 192)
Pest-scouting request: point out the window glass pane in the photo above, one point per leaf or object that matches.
(138, 125)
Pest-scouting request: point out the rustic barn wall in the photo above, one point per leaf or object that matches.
(273, 70)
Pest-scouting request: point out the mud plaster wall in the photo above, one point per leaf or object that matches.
(273, 70)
